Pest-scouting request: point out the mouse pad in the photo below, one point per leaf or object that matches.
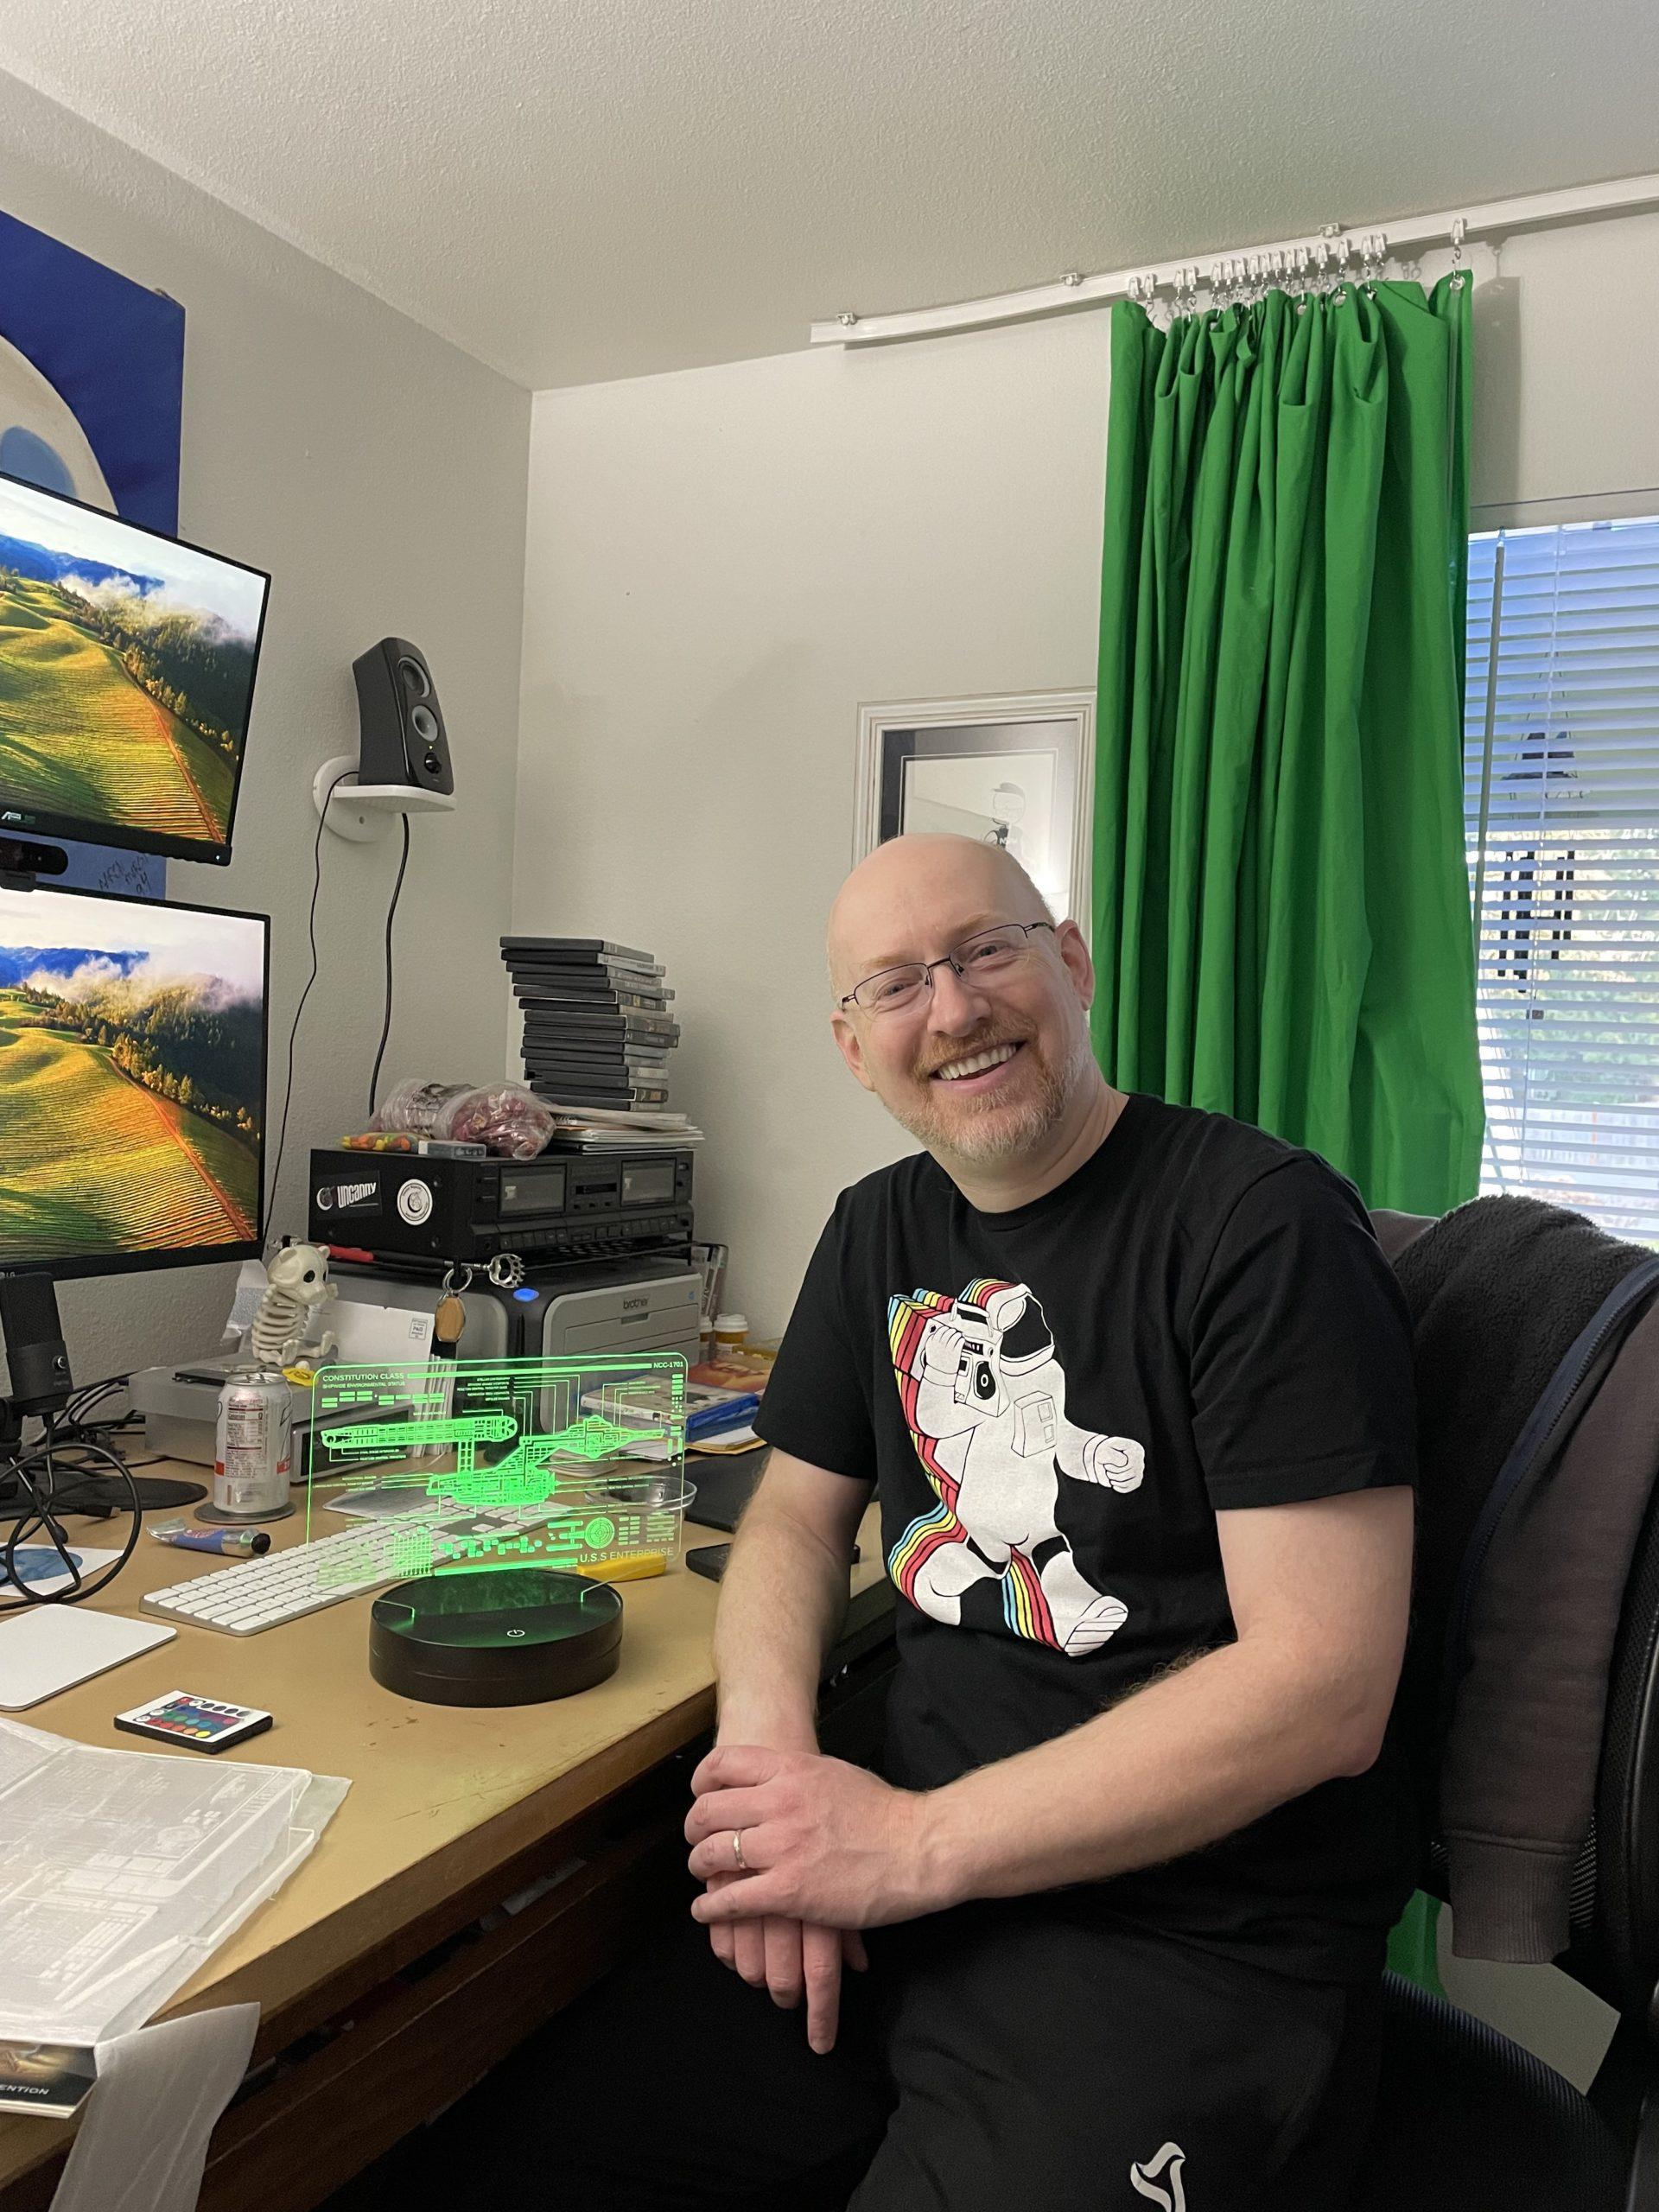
(724, 1487)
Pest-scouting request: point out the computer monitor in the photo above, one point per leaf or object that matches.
(127, 663)
(133, 1037)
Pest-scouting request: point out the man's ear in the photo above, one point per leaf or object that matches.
(1074, 951)
(852, 1047)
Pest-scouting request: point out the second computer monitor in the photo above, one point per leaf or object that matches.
(132, 1081)
(127, 663)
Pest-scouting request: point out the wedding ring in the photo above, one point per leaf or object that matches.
(737, 1849)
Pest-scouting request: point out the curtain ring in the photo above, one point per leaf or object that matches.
(1459, 231)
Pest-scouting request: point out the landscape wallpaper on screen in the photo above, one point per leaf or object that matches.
(126, 669)
(132, 1063)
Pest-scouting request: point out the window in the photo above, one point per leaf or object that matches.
(1561, 804)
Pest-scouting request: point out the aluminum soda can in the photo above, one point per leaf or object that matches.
(253, 1445)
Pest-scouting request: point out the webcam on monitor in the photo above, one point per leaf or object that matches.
(127, 666)
(21, 860)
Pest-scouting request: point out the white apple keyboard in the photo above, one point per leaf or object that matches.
(261, 1593)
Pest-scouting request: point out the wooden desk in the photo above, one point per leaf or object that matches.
(450, 1812)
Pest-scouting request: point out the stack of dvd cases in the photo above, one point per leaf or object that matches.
(598, 1030)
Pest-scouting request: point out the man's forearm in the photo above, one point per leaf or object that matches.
(782, 1600)
(1185, 1761)
(1319, 1596)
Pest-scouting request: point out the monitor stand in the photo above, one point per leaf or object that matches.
(37, 1360)
(81, 1489)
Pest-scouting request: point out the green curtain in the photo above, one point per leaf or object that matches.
(1280, 905)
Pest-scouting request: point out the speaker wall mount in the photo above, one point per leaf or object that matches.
(403, 759)
(361, 812)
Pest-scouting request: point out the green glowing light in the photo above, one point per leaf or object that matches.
(595, 1438)
(578, 1458)
(477, 1428)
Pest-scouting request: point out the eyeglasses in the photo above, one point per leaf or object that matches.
(981, 959)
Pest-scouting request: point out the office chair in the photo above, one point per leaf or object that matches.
(1467, 2121)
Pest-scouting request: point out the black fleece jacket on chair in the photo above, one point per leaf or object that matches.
(1499, 1289)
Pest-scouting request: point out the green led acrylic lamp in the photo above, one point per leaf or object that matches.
(560, 1465)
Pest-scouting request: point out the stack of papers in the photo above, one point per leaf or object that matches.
(596, 1128)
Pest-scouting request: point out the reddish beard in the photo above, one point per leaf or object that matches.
(989, 1127)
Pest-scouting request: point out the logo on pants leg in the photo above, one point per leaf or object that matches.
(1160, 2178)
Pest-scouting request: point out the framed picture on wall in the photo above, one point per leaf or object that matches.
(1016, 771)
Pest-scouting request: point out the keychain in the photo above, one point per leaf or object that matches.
(448, 1319)
(448, 1322)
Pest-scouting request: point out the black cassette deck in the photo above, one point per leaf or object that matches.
(559, 1206)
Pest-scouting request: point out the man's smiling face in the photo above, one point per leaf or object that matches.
(980, 1069)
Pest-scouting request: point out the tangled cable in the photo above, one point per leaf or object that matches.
(37, 1469)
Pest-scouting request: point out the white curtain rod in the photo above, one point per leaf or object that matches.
(1494, 217)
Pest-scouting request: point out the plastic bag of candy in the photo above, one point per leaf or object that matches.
(508, 1118)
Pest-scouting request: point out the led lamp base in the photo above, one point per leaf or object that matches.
(495, 1636)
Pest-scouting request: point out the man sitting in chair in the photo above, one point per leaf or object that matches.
(1133, 1385)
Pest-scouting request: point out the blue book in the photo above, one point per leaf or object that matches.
(735, 1413)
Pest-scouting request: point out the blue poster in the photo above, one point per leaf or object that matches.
(92, 387)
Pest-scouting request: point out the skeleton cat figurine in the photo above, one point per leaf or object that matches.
(299, 1286)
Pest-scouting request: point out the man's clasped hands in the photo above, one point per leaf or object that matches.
(797, 1853)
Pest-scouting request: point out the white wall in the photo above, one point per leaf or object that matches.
(722, 566)
(1566, 328)
(379, 475)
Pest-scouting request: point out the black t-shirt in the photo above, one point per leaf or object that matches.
(1054, 1402)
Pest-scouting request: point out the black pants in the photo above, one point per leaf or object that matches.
(995, 2058)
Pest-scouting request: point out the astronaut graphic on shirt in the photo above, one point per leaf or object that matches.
(984, 1400)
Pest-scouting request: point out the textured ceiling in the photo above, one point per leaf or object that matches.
(576, 189)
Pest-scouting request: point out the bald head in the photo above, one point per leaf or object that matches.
(914, 890)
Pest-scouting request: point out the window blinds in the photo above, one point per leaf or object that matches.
(1561, 800)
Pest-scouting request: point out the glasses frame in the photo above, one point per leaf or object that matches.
(948, 960)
